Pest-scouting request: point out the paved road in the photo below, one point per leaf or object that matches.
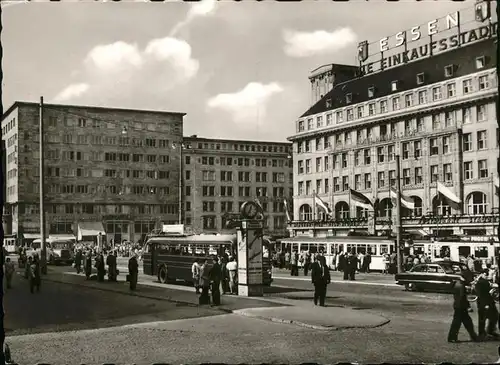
(60, 307)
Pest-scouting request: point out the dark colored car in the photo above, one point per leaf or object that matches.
(436, 276)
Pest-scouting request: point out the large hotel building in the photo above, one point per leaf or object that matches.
(438, 113)
(117, 172)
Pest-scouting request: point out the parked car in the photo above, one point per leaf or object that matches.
(436, 276)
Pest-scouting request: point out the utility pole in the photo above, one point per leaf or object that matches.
(398, 213)
(43, 253)
(181, 146)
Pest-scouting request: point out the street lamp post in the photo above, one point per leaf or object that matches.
(43, 251)
(398, 213)
(181, 147)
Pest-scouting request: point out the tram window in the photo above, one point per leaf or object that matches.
(313, 249)
(384, 249)
(212, 250)
(464, 251)
(371, 249)
(322, 248)
(184, 250)
(201, 251)
(418, 249)
(481, 251)
(190, 250)
(304, 247)
(362, 248)
(332, 249)
(351, 248)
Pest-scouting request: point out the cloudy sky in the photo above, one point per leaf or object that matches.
(239, 70)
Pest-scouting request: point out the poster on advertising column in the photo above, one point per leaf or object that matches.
(254, 244)
(242, 256)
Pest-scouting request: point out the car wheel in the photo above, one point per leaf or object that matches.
(162, 275)
(410, 287)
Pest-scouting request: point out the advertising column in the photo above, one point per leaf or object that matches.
(250, 259)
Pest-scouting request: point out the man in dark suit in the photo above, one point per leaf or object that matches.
(460, 313)
(320, 276)
(215, 276)
(486, 308)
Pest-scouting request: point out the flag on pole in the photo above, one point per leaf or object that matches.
(285, 205)
(360, 200)
(322, 204)
(406, 201)
(448, 193)
(496, 183)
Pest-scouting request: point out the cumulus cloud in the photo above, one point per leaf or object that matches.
(72, 91)
(247, 102)
(305, 44)
(175, 51)
(111, 56)
(198, 9)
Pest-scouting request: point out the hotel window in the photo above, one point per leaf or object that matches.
(357, 182)
(466, 115)
(300, 147)
(481, 140)
(318, 187)
(482, 166)
(318, 164)
(357, 157)
(483, 82)
(451, 90)
(480, 62)
(309, 124)
(446, 145)
(395, 103)
(380, 154)
(407, 127)
(301, 188)
(481, 113)
(449, 119)
(467, 86)
(360, 111)
(434, 147)
(406, 177)
(448, 71)
(335, 162)
(420, 124)
(327, 186)
(383, 106)
(409, 100)
(422, 96)
(390, 152)
(371, 109)
(394, 131)
(369, 134)
(468, 173)
(434, 173)
(368, 181)
(467, 142)
(308, 166)
(336, 185)
(381, 179)
(307, 145)
(436, 121)
(367, 157)
(436, 93)
(319, 144)
(301, 126)
(418, 175)
(394, 86)
(348, 98)
(319, 121)
(344, 160)
(448, 176)
(345, 183)
(383, 130)
(326, 163)
(308, 187)
(420, 78)
(359, 136)
(417, 149)
(392, 178)
(329, 119)
(371, 92)
(350, 114)
(340, 117)
(406, 150)
(326, 142)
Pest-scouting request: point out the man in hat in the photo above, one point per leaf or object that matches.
(111, 262)
(320, 276)
(215, 276)
(133, 271)
(486, 307)
(460, 313)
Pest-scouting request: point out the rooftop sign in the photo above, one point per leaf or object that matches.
(394, 50)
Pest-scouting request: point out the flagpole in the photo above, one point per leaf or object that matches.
(398, 213)
(349, 203)
(314, 205)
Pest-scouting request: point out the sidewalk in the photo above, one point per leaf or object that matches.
(338, 277)
(278, 309)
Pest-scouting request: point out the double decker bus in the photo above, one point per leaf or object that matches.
(170, 256)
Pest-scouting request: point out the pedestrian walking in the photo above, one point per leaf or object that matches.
(460, 313)
(287, 260)
(320, 276)
(133, 271)
(195, 270)
(205, 283)
(111, 262)
(9, 272)
(486, 307)
(352, 263)
(100, 266)
(307, 262)
(35, 275)
(224, 275)
(232, 268)
(27, 267)
(366, 262)
(215, 276)
(78, 261)
(294, 263)
(88, 264)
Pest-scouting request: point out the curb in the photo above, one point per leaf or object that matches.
(136, 294)
(307, 325)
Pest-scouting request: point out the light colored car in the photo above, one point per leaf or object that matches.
(58, 251)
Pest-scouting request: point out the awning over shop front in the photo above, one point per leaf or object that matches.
(92, 229)
(65, 237)
(418, 232)
(31, 236)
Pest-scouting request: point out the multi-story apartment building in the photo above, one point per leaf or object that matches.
(439, 114)
(219, 175)
(107, 170)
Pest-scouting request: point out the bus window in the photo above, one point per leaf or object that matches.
(201, 250)
(190, 250)
(371, 249)
(212, 250)
(185, 251)
(162, 248)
